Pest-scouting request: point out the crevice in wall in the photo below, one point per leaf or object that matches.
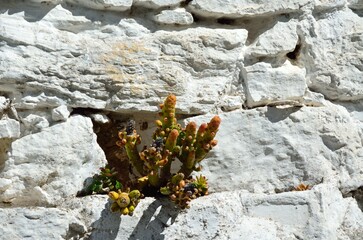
(5, 148)
(226, 21)
(32, 12)
(359, 12)
(185, 3)
(294, 55)
(320, 14)
(75, 231)
(107, 135)
(357, 194)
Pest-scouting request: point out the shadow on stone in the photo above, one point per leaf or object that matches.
(94, 15)
(33, 12)
(159, 215)
(107, 226)
(278, 114)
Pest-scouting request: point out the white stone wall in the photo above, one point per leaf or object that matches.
(286, 77)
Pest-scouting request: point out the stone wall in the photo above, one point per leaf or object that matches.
(286, 77)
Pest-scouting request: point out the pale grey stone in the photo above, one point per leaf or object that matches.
(177, 17)
(355, 4)
(269, 149)
(113, 5)
(266, 84)
(155, 4)
(60, 113)
(9, 128)
(243, 8)
(34, 122)
(113, 57)
(39, 223)
(277, 41)
(334, 57)
(323, 5)
(51, 165)
(47, 1)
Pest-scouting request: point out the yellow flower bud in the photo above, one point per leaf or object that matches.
(113, 195)
(124, 211)
(123, 200)
(131, 209)
(134, 194)
(114, 207)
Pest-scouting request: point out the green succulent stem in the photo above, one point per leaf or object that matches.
(154, 179)
(135, 160)
(189, 145)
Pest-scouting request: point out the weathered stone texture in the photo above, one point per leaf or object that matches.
(284, 76)
(244, 8)
(46, 167)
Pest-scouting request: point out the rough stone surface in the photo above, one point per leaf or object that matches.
(116, 5)
(155, 4)
(178, 17)
(284, 76)
(335, 55)
(265, 83)
(60, 113)
(275, 149)
(244, 8)
(220, 216)
(49, 166)
(355, 4)
(279, 40)
(9, 128)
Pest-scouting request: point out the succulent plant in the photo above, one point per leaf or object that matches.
(170, 142)
(301, 187)
(182, 191)
(125, 202)
(103, 182)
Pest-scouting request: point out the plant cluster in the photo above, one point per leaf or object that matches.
(189, 145)
(102, 183)
(125, 202)
(301, 187)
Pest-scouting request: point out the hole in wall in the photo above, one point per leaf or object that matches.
(5, 145)
(196, 18)
(294, 55)
(357, 195)
(185, 3)
(226, 21)
(358, 12)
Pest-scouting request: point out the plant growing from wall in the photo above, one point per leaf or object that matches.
(171, 141)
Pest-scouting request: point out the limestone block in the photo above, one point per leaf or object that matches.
(34, 123)
(355, 4)
(323, 5)
(277, 41)
(266, 84)
(114, 71)
(334, 55)
(113, 5)
(155, 4)
(47, 1)
(100, 118)
(230, 103)
(225, 215)
(39, 223)
(270, 149)
(60, 113)
(51, 165)
(9, 128)
(243, 8)
(205, 62)
(4, 104)
(177, 17)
